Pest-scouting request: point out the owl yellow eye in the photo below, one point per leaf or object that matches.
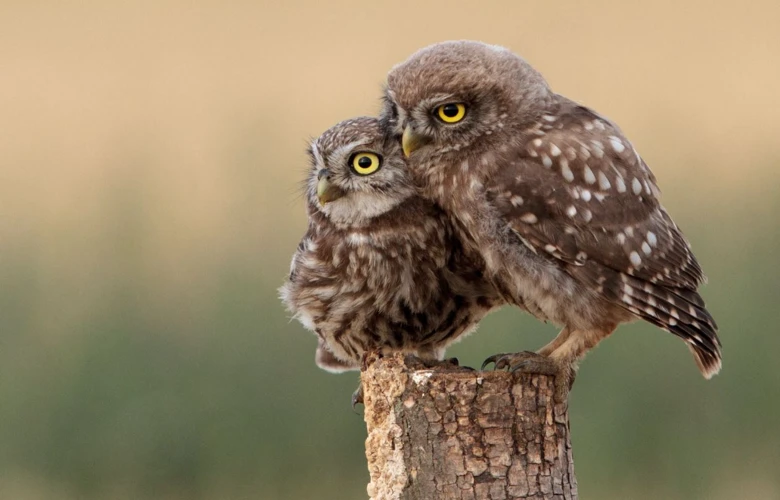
(365, 163)
(452, 112)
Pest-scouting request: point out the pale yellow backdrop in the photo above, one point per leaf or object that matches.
(149, 160)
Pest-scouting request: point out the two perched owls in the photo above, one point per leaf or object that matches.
(478, 186)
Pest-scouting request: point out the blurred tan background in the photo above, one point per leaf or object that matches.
(149, 160)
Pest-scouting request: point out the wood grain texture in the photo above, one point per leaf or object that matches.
(463, 434)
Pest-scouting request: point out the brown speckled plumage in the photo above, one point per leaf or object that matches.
(556, 200)
(379, 267)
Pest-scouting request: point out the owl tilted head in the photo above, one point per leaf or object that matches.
(357, 174)
(461, 96)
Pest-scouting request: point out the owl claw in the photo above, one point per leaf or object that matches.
(357, 397)
(531, 362)
(505, 360)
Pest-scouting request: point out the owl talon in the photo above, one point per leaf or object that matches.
(357, 397)
(531, 362)
(491, 359)
(507, 359)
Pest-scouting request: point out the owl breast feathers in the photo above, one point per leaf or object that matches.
(379, 267)
(553, 197)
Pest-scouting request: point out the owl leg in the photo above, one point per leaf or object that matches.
(556, 342)
(567, 354)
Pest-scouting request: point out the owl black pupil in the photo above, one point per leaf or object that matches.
(450, 110)
(364, 162)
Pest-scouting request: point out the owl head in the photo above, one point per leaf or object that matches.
(357, 173)
(461, 96)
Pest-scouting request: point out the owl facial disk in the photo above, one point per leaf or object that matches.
(326, 191)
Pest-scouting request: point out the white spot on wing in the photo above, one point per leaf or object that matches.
(546, 161)
(620, 184)
(636, 186)
(571, 211)
(566, 171)
(646, 248)
(529, 218)
(587, 215)
(589, 177)
(603, 181)
(516, 201)
(617, 144)
(555, 150)
(651, 238)
(598, 149)
(635, 259)
(585, 195)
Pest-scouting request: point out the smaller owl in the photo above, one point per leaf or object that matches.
(379, 268)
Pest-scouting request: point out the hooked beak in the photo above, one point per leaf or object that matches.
(411, 141)
(327, 192)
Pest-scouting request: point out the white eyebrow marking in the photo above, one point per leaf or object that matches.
(347, 148)
(315, 152)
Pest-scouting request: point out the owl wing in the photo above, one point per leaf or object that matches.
(578, 193)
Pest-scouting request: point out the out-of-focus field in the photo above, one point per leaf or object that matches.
(149, 160)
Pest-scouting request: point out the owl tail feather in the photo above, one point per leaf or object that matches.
(682, 313)
(709, 363)
(679, 311)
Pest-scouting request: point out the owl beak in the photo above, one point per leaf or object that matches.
(412, 141)
(327, 192)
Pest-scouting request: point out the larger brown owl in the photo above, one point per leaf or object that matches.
(554, 198)
(379, 267)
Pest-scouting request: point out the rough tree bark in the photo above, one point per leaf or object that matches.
(463, 434)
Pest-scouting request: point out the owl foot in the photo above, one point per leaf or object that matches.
(531, 362)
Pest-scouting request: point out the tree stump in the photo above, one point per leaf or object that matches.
(457, 433)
